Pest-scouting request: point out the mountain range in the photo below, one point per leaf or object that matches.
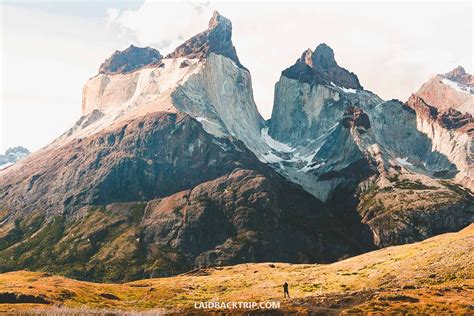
(171, 167)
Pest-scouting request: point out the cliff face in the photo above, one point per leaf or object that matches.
(444, 107)
(217, 39)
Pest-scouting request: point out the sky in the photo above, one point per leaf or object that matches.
(50, 48)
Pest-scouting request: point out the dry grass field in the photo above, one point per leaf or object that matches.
(435, 276)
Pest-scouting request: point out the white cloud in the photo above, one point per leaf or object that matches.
(163, 25)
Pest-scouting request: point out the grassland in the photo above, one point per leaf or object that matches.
(431, 277)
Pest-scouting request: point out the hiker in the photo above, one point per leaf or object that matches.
(285, 290)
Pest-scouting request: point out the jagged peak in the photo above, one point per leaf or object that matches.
(130, 59)
(459, 70)
(320, 67)
(216, 39)
(323, 57)
(460, 75)
(218, 19)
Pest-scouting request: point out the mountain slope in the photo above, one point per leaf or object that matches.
(165, 196)
(429, 277)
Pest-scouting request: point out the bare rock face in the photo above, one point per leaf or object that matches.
(311, 96)
(216, 39)
(320, 67)
(451, 134)
(129, 60)
(450, 119)
(453, 119)
(454, 89)
(355, 117)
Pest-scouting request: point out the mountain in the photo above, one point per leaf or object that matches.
(429, 277)
(12, 155)
(171, 167)
(444, 107)
(346, 144)
(160, 156)
(454, 89)
(217, 39)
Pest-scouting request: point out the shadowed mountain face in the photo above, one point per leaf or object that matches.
(130, 59)
(321, 67)
(171, 167)
(162, 195)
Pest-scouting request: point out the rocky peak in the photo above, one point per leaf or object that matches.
(460, 75)
(217, 20)
(453, 119)
(355, 117)
(216, 39)
(323, 57)
(320, 67)
(130, 59)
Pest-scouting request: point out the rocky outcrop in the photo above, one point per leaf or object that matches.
(124, 96)
(220, 97)
(312, 95)
(216, 39)
(320, 67)
(130, 60)
(450, 119)
(355, 118)
(404, 207)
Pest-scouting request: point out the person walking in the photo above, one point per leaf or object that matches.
(285, 290)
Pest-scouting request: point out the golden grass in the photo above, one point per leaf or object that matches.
(433, 276)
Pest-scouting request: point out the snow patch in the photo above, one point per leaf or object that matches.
(274, 144)
(312, 166)
(271, 158)
(403, 162)
(346, 90)
(457, 86)
(6, 165)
